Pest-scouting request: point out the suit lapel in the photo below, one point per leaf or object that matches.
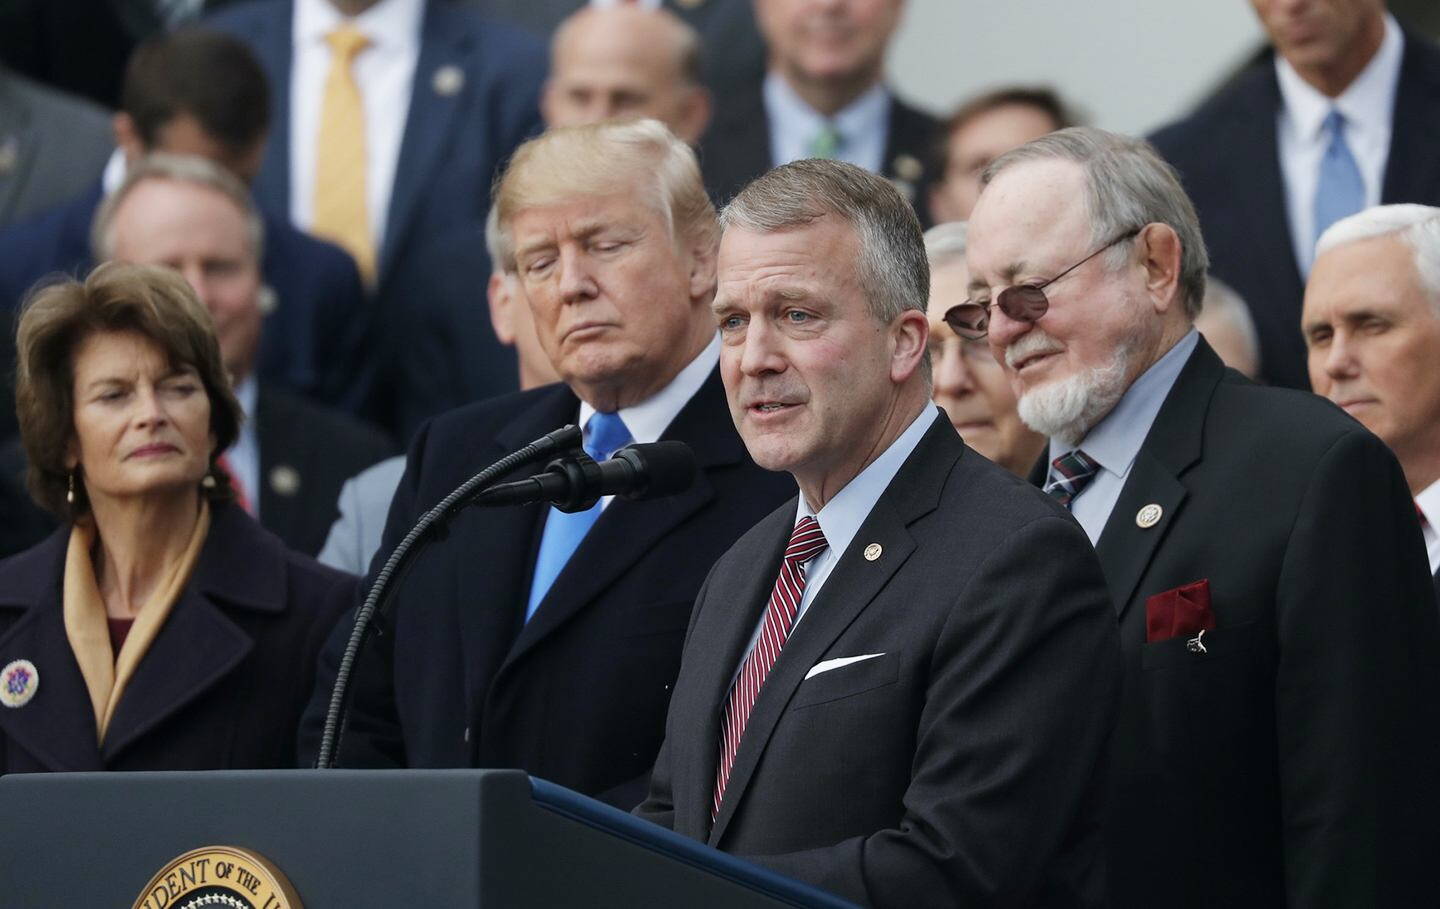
(626, 530)
(1256, 146)
(1173, 444)
(199, 645)
(1412, 172)
(16, 144)
(57, 727)
(851, 587)
(434, 114)
(738, 602)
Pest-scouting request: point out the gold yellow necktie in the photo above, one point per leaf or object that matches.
(341, 214)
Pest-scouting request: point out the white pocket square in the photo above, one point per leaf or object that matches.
(827, 665)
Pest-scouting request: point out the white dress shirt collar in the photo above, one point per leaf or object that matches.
(385, 73)
(648, 420)
(1428, 501)
(863, 124)
(1367, 103)
(389, 23)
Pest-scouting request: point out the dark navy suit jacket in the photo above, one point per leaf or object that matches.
(431, 344)
(310, 341)
(576, 695)
(1229, 160)
(223, 683)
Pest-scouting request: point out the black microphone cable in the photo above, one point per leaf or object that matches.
(564, 439)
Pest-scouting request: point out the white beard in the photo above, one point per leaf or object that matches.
(1069, 408)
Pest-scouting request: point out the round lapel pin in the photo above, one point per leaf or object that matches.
(285, 480)
(449, 79)
(872, 552)
(19, 681)
(1148, 516)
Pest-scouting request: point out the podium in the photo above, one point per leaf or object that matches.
(353, 838)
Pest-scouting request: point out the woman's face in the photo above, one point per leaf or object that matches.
(142, 424)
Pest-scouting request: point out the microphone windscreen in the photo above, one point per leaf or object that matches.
(669, 467)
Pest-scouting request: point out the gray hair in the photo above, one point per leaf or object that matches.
(1224, 304)
(893, 270)
(597, 159)
(946, 243)
(1128, 185)
(183, 169)
(1417, 225)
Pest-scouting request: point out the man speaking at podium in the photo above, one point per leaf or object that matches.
(898, 686)
(527, 637)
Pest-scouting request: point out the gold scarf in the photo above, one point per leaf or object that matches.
(88, 631)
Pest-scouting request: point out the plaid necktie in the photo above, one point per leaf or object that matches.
(1069, 475)
(806, 542)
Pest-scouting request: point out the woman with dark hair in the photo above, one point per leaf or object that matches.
(160, 627)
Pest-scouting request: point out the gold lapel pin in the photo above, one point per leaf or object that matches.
(1148, 516)
(872, 552)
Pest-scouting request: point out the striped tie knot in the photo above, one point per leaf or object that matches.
(806, 541)
(1069, 475)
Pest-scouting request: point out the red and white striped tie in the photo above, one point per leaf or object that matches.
(806, 542)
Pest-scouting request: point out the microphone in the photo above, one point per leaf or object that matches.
(576, 482)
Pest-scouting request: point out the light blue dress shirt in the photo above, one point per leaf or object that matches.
(244, 455)
(1115, 441)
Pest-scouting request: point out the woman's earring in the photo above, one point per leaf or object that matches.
(70, 489)
(209, 481)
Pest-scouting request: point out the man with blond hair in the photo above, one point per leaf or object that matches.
(1372, 328)
(550, 641)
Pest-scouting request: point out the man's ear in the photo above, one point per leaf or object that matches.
(1160, 254)
(694, 115)
(127, 137)
(498, 295)
(911, 334)
(702, 253)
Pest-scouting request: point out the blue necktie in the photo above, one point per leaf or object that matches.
(604, 434)
(1340, 191)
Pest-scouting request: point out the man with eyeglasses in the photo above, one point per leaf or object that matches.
(1277, 742)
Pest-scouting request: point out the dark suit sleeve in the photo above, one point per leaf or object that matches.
(373, 737)
(659, 804)
(1357, 692)
(1025, 684)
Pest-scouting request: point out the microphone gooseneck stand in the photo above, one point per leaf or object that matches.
(561, 440)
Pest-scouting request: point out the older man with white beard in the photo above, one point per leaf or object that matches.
(1276, 742)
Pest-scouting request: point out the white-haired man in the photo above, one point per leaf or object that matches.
(1276, 740)
(1372, 328)
(932, 732)
(550, 641)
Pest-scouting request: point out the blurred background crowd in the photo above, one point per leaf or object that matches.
(320, 170)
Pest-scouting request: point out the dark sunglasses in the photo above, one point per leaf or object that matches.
(1021, 302)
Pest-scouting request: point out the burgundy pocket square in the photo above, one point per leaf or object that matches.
(1183, 611)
